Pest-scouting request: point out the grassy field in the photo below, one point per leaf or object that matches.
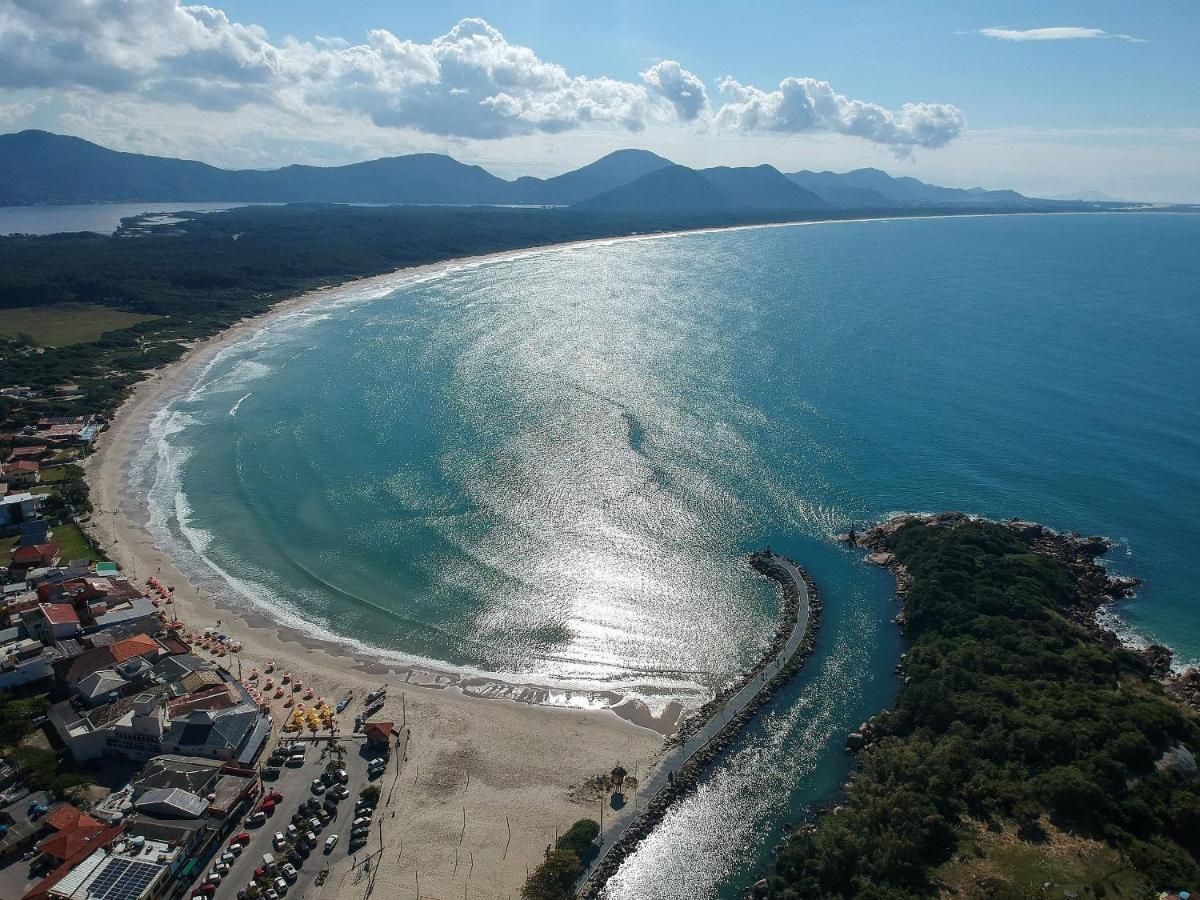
(72, 544)
(52, 474)
(7, 546)
(997, 865)
(63, 324)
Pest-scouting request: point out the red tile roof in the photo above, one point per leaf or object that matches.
(102, 838)
(65, 816)
(34, 554)
(138, 645)
(35, 450)
(21, 465)
(58, 613)
(65, 844)
(378, 730)
(102, 657)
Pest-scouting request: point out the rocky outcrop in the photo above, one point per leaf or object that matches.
(1093, 586)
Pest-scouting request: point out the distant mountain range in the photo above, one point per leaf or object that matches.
(37, 167)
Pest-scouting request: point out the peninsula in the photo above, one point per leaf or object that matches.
(1028, 752)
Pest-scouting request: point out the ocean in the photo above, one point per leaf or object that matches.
(551, 468)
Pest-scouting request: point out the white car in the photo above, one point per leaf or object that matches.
(280, 885)
(279, 840)
(361, 821)
(289, 872)
(214, 877)
(230, 858)
(221, 869)
(318, 787)
(330, 843)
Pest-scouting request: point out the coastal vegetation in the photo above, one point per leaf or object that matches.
(1016, 732)
(555, 878)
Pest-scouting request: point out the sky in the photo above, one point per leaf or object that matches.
(1049, 98)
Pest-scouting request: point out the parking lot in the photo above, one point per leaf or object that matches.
(295, 785)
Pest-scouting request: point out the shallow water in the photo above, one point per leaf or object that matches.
(552, 467)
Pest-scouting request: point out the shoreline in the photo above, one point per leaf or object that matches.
(523, 758)
(116, 447)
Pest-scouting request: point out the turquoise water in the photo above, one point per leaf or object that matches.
(551, 467)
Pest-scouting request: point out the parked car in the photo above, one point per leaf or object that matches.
(342, 776)
(311, 837)
(280, 885)
(289, 872)
(271, 773)
(279, 840)
(318, 787)
(330, 843)
(256, 819)
(362, 820)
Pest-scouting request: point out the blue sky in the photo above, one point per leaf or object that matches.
(963, 93)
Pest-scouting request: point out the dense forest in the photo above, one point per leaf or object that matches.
(1015, 732)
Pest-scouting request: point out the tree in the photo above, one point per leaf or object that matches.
(580, 839)
(555, 878)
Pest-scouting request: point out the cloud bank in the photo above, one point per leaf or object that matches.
(469, 83)
(1061, 33)
(805, 104)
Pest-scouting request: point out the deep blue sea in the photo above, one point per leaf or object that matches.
(552, 467)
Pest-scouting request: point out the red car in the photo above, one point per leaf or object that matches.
(275, 797)
(242, 837)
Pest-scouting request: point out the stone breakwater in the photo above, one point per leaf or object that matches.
(772, 671)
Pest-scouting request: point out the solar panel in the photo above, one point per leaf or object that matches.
(123, 879)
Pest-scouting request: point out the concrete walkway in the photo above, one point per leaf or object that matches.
(616, 824)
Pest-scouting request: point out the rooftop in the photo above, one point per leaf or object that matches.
(56, 613)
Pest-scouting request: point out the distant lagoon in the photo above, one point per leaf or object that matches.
(102, 218)
(105, 218)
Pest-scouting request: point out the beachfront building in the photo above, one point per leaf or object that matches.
(24, 660)
(22, 473)
(127, 867)
(205, 714)
(17, 507)
(51, 622)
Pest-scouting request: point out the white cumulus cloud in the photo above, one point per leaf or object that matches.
(685, 91)
(806, 104)
(1058, 33)
(470, 83)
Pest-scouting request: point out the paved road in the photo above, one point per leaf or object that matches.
(675, 758)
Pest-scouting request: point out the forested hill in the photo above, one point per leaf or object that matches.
(1023, 749)
(38, 167)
